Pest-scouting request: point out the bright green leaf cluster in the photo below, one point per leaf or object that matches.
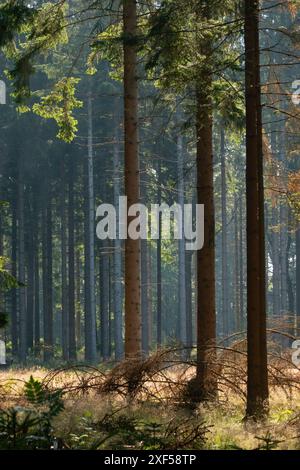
(59, 105)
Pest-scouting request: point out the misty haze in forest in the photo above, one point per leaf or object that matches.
(159, 103)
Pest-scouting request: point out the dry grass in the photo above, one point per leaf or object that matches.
(153, 390)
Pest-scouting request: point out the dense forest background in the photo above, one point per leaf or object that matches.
(71, 76)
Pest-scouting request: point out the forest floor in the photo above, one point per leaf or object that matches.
(99, 413)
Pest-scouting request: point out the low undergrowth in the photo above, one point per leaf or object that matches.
(144, 405)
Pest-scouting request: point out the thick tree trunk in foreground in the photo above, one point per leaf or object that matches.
(132, 182)
(206, 316)
(205, 383)
(257, 384)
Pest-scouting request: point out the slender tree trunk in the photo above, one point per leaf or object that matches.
(237, 306)
(110, 305)
(275, 245)
(132, 181)
(21, 274)
(30, 286)
(283, 256)
(150, 296)
(48, 279)
(181, 246)
(78, 290)
(283, 216)
(1, 233)
(144, 273)
(144, 298)
(158, 265)
(189, 308)
(117, 283)
(290, 291)
(276, 264)
(2, 297)
(37, 330)
(104, 302)
(290, 286)
(225, 301)
(90, 311)
(298, 276)
(71, 265)
(241, 261)
(64, 281)
(44, 269)
(257, 384)
(14, 316)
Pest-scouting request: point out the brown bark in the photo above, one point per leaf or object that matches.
(132, 181)
(206, 318)
(257, 384)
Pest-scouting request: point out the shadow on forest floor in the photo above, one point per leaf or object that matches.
(144, 405)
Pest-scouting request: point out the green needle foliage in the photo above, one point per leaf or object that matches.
(14, 15)
(31, 427)
(7, 281)
(58, 105)
(42, 32)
